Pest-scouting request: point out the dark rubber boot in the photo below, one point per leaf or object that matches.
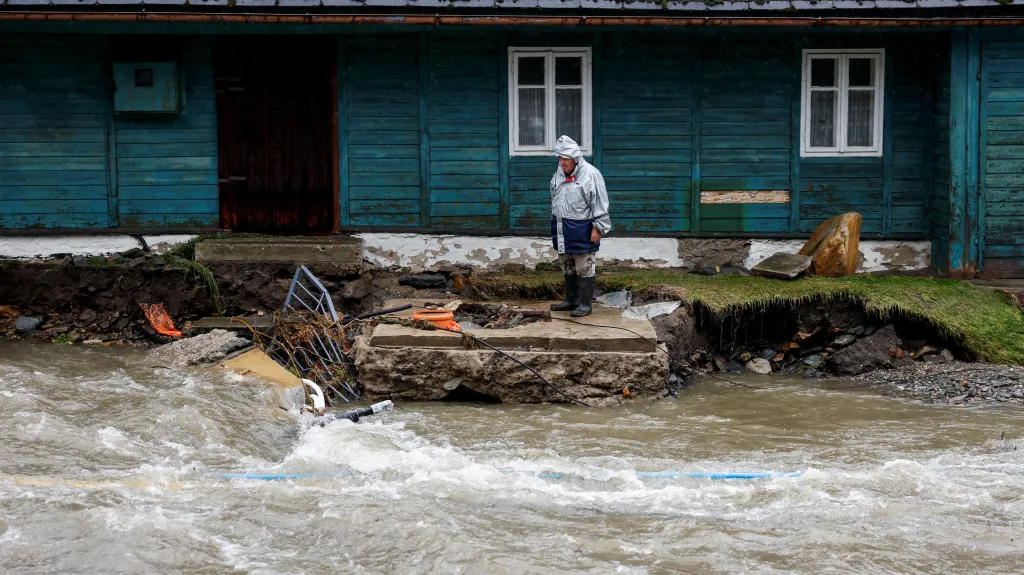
(572, 295)
(586, 297)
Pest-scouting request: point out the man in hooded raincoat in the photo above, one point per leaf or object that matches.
(579, 219)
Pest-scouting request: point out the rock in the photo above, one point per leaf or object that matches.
(936, 358)
(815, 374)
(137, 262)
(424, 281)
(1019, 394)
(9, 311)
(132, 253)
(869, 330)
(745, 356)
(733, 366)
(767, 353)
(834, 246)
(679, 332)
(121, 324)
(897, 352)
(858, 330)
(87, 316)
(459, 282)
(867, 354)
(844, 340)
(720, 363)
(27, 323)
(201, 349)
(946, 355)
(79, 261)
(811, 351)
(158, 262)
(358, 288)
(926, 350)
(779, 357)
(759, 366)
(958, 398)
(813, 360)
(783, 266)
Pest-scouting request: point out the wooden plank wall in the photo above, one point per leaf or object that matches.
(382, 117)
(167, 164)
(464, 133)
(53, 132)
(745, 131)
(646, 123)
(939, 168)
(1002, 157)
(831, 186)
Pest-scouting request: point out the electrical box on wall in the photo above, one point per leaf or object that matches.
(150, 87)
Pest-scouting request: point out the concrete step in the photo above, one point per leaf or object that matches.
(342, 251)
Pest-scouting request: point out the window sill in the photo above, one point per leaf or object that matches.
(543, 153)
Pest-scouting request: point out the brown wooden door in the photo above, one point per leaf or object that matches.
(274, 118)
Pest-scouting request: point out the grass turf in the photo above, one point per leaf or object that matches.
(983, 321)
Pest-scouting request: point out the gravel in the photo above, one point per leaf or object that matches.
(956, 383)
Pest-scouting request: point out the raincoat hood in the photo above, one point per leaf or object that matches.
(566, 147)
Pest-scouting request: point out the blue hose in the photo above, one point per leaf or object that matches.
(718, 475)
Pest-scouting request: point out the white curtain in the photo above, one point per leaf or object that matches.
(860, 122)
(569, 113)
(531, 117)
(823, 119)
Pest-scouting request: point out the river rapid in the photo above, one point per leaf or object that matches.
(111, 465)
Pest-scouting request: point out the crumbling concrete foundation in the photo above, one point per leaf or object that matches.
(596, 365)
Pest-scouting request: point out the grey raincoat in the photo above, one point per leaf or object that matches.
(579, 203)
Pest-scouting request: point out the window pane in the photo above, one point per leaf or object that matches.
(531, 116)
(860, 123)
(569, 113)
(569, 71)
(862, 72)
(823, 72)
(823, 124)
(531, 71)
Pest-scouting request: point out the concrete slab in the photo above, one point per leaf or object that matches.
(287, 388)
(346, 251)
(240, 325)
(782, 266)
(603, 330)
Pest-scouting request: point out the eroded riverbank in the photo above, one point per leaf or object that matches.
(119, 462)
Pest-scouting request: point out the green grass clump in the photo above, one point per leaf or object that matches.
(62, 338)
(983, 321)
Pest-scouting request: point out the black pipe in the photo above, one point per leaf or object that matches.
(370, 314)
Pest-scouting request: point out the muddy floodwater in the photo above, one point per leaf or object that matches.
(111, 465)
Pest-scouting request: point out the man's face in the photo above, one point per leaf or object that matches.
(568, 165)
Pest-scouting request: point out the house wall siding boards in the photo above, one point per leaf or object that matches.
(167, 164)
(463, 128)
(382, 116)
(53, 132)
(937, 218)
(1002, 156)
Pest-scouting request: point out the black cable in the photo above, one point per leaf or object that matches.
(533, 371)
(656, 346)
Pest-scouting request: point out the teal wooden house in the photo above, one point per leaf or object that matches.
(708, 119)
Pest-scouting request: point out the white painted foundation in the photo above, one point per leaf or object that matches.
(34, 247)
(418, 252)
(879, 255)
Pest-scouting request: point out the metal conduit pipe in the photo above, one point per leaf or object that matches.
(555, 21)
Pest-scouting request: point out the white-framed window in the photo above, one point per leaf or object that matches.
(549, 96)
(841, 103)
